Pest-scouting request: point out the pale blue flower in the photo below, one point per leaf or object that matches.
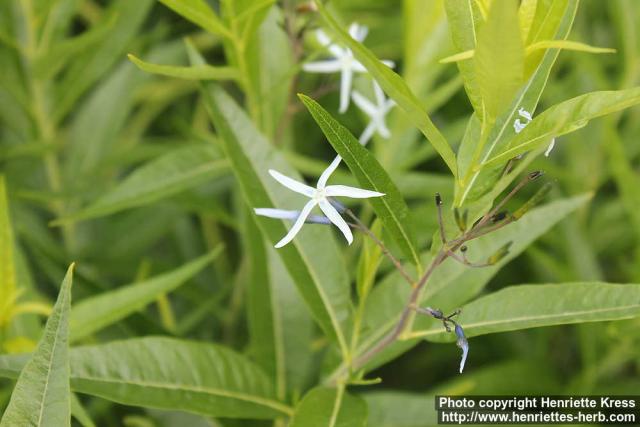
(318, 196)
(377, 112)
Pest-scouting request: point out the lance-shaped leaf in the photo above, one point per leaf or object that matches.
(42, 394)
(312, 258)
(391, 208)
(566, 117)
(533, 306)
(326, 407)
(396, 89)
(97, 312)
(7, 265)
(499, 59)
(160, 178)
(462, 16)
(196, 72)
(167, 373)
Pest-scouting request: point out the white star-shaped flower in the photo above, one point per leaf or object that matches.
(318, 196)
(376, 111)
(343, 62)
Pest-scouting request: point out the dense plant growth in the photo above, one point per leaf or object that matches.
(263, 223)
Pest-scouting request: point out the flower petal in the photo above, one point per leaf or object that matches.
(364, 104)
(367, 133)
(463, 344)
(323, 38)
(292, 184)
(297, 225)
(379, 94)
(328, 66)
(336, 219)
(389, 63)
(353, 192)
(550, 147)
(322, 181)
(291, 215)
(345, 88)
(277, 213)
(358, 32)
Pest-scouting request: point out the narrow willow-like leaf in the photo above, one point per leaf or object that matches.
(462, 17)
(475, 184)
(326, 407)
(167, 373)
(499, 59)
(312, 258)
(195, 72)
(79, 413)
(533, 306)
(396, 88)
(165, 176)
(198, 12)
(566, 117)
(567, 45)
(7, 265)
(391, 208)
(97, 312)
(41, 395)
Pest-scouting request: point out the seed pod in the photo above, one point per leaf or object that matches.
(533, 201)
(499, 254)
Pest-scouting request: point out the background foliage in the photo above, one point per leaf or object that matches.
(143, 170)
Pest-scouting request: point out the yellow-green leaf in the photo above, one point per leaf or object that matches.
(499, 58)
(567, 45)
(41, 395)
(195, 72)
(7, 266)
(198, 12)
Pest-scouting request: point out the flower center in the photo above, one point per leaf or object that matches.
(319, 194)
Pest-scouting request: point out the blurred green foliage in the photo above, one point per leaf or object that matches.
(144, 171)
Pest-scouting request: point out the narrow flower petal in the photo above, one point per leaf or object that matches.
(353, 192)
(367, 133)
(389, 63)
(358, 32)
(357, 67)
(345, 88)
(322, 181)
(323, 38)
(292, 184)
(379, 94)
(463, 344)
(277, 213)
(517, 126)
(364, 104)
(328, 66)
(336, 219)
(550, 147)
(291, 215)
(381, 126)
(298, 224)
(524, 113)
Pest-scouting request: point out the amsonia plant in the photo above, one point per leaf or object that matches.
(314, 212)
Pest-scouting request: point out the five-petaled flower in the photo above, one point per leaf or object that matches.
(343, 61)
(461, 341)
(318, 196)
(376, 111)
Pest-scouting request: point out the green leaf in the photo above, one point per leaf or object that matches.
(391, 208)
(567, 45)
(97, 312)
(475, 184)
(167, 373)
(312, 258)
(499, 59)
(452, 284)
(198, 12)
(566, 117)
(79, 413)
(196, 72)
(7, 265)
(326, 407)
(396, 88)
(160, 178)
(41, 395)
(464, 18)
(533, 306)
